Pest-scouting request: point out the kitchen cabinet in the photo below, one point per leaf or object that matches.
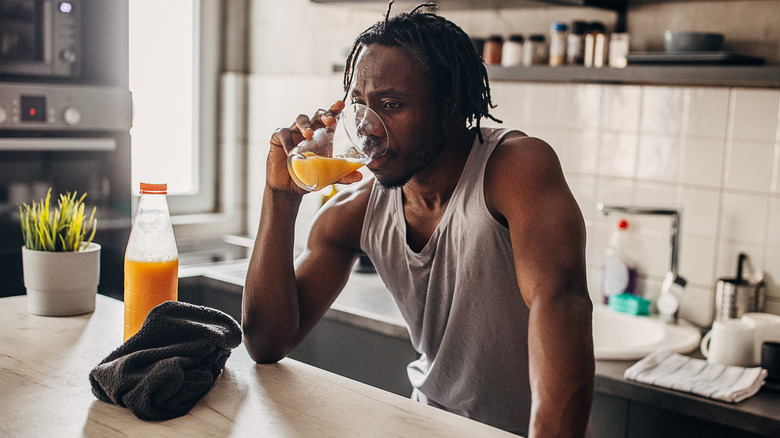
(337, 344)
(613, 416)
(622, 408)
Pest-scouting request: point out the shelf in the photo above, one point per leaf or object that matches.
(704, 76)
(615, 5)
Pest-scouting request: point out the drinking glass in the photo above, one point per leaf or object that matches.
(335, 151)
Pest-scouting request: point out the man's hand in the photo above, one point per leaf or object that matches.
(284, 140)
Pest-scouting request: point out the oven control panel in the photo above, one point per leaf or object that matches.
(53, 107)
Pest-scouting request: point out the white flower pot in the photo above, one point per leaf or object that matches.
(61, 283)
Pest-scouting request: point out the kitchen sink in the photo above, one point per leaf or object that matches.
(619, 336)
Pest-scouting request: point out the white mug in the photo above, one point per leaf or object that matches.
(766, 328)
(729, 342)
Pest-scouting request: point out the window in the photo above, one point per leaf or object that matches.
(173, 78)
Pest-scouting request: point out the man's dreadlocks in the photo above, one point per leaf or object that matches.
(446, 54)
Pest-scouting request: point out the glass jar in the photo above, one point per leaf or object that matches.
(492, 51)
(575, 43)
(535, 50)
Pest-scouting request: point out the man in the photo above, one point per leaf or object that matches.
(474, 232)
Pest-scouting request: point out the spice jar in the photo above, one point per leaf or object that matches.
(535, 50)
(618, 50)
(512, 53)
(575, 43)
(492, 50)
(558, 43)
(595, 45)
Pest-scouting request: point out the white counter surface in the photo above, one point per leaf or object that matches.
(45, 391)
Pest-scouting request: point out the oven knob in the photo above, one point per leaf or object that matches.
(3, 115)
(71, 116)
(68, 55)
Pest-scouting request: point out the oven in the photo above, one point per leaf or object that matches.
(70, 138)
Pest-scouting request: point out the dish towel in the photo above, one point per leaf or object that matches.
(682, 373)
(170, 364)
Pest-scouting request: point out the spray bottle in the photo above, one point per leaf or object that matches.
(620, 273)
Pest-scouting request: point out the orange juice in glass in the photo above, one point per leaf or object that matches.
(147, 284)
(333, 152)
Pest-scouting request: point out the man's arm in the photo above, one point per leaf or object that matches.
(525, 186)
(282, 302)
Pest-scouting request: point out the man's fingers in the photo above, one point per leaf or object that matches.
(283, 137)
(329, 118)
(303, 124)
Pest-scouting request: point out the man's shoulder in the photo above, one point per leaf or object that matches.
(516, 145)
(500, 134)
(520, 160)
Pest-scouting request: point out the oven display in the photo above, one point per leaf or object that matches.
(33, 108)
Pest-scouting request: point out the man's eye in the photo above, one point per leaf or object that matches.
(390, 105)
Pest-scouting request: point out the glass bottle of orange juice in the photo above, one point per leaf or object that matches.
(151, 259)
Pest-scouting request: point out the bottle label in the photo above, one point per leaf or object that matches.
(617, 276)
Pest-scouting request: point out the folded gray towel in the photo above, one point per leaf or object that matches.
(170, 364)
(682, 373)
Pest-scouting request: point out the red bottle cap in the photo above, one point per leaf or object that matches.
(623, 224)
(154, 189)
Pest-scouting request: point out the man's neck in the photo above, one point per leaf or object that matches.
(434, 185)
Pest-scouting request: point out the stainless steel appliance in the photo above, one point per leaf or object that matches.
(70, 138)
(41, 38)
(65, 115)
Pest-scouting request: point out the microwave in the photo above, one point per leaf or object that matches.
(41, 38)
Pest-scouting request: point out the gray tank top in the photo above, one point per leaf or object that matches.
(460, 299)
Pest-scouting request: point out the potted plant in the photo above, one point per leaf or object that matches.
(61, 265)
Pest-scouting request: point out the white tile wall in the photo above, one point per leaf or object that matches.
(714, 152)
(274, 102)
(753, 114)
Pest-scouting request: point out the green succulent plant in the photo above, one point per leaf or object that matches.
(64, 229)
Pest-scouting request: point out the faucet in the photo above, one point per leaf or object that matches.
(668, 303)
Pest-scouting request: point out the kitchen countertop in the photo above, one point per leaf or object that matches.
(366, 303)
(45, 363)
(759, 414)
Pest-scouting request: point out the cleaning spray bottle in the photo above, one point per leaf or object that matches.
(620, 274)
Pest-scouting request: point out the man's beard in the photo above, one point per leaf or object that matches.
(414, 161)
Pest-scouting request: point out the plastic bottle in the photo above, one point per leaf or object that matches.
(512, 53)
(620, 272)
(151, 258)
(558, 43)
